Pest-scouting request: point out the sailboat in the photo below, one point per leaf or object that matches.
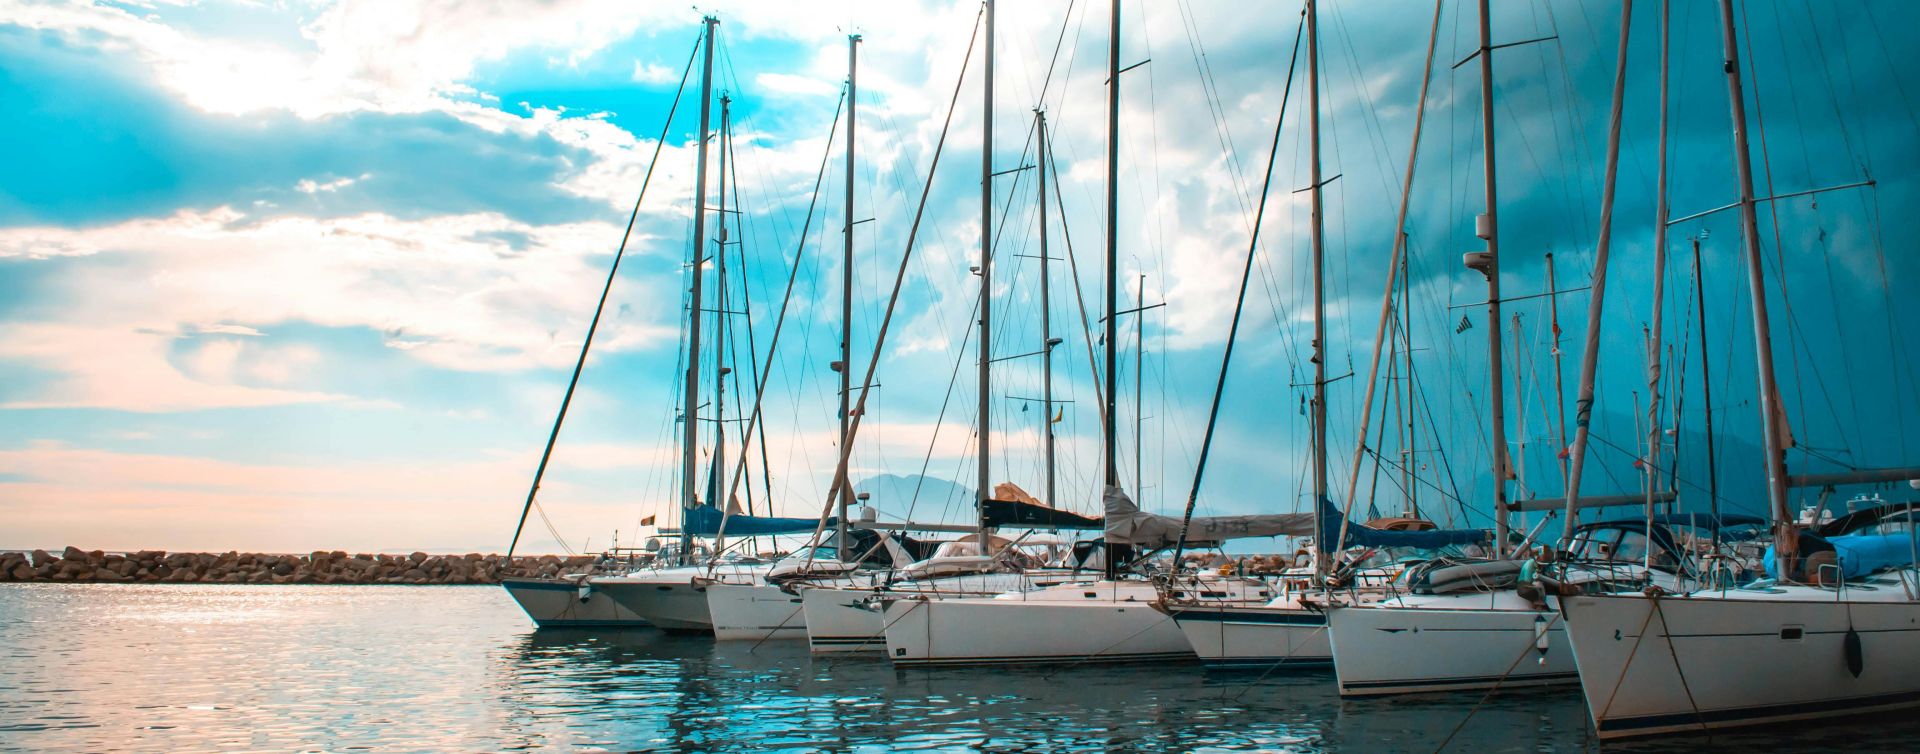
(581, 600)
(1836, 631)
(1290, 628)
(843, 617)
(1491, 630)
(769, 607)
(1502, 627)
(573, 600)
(838, 575)
(751, 608)
(846, 614)
(675, 597)
(1112, 619)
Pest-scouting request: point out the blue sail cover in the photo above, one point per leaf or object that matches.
(1858, 554)
(1360, 535)
(704, 521)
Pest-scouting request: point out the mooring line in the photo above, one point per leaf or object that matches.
(1089, 658)
(1675, 655)
(1493, 690)
(1275, 666)
(777, 627)
(1631, 652)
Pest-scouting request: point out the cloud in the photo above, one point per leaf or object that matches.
(279, 366)
(445, 290)
(227, 329)
(787, 83)
(310, 186)
(653, 73)
(130, 370)
(412, 55)
(130, 149)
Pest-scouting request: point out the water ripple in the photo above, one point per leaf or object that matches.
(201, 667)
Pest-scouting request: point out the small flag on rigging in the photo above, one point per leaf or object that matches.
(648, 521)
(1465, 325)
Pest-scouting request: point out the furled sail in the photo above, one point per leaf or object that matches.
(1012, 506)
(704, 521)
(1127, 524)
(1360, 535)
(1853, 555)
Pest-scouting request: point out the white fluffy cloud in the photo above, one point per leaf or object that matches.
(174, 322)
(135, 370)
(413, 55)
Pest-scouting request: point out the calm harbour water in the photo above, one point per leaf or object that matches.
(378, 668)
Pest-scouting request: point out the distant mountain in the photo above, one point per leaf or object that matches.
(928, 499)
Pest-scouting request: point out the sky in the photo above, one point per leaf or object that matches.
(291, 275)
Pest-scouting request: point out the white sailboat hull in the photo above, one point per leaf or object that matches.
(1380, 650)
(1256, 636)
(673, 599)
(755, 612)
(1076, 622)
(568, 603)
(671, 606)
(992, 631)
(1723, 660)
(836, 622)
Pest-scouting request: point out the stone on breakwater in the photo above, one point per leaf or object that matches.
(317, 567)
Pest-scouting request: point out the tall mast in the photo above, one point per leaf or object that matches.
(1111, 472)
(1706, 391)
(1139, 383)
(1319, 285)
(985, 480)
(720, 322)
(1772, 423)
(1384, 330)
(1489, 261)
(690, 440)
(1410, 451)
(1520, 356)
(1654, 433)
(1559, 386)
(1046, 312)
(1602, 250)
(846, 295)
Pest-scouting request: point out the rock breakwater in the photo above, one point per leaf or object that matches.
(336, 567)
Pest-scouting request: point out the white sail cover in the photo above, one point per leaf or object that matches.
(1127, 524)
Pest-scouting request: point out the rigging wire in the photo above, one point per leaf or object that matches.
(793, 389)
(780, 319)
(866, 384)
(594, 325)
(1233, 330)
(967, 332)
